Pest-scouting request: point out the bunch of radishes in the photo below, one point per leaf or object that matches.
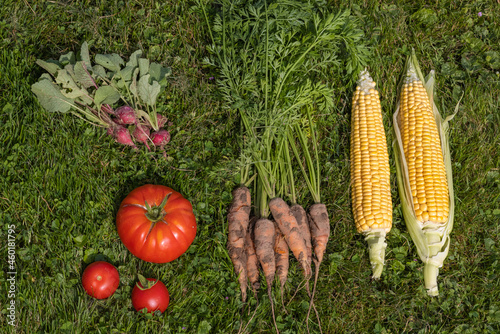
(127, 129)
(110, 93)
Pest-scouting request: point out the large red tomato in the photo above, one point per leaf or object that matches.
(156, 223)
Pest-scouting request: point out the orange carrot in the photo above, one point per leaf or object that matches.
(264, 235)
(301, 216)
(238, 217)
(320, 232)
(290, 229)
(320, 229)
(264, 238)
(252, 261)
(281, 255)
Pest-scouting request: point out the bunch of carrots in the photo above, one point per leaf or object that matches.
(271, 60)
(268, 242)
(264, 238)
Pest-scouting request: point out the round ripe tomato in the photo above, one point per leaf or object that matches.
(156, 223)
(154, 298)
(100, 279)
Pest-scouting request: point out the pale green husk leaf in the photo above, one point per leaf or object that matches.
(375, 239)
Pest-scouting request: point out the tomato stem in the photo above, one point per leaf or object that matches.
(145, 284)
(156, 213)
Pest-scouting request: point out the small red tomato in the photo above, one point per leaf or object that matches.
(151, 294)
(100, 279)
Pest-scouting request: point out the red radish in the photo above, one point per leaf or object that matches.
(141, 134)
(161, 138)
(126, 115)
(122, 135)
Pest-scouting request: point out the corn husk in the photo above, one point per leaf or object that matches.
(432, 240)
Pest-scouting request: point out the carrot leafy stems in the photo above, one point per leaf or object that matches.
(292, 47)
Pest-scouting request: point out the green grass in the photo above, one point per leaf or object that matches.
(61, 180)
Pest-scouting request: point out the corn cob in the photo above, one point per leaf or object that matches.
(422, 151)
(370, 173)
(423, 169)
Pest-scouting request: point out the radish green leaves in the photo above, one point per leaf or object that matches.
(92, 91)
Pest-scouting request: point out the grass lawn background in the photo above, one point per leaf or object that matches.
(61, 180)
